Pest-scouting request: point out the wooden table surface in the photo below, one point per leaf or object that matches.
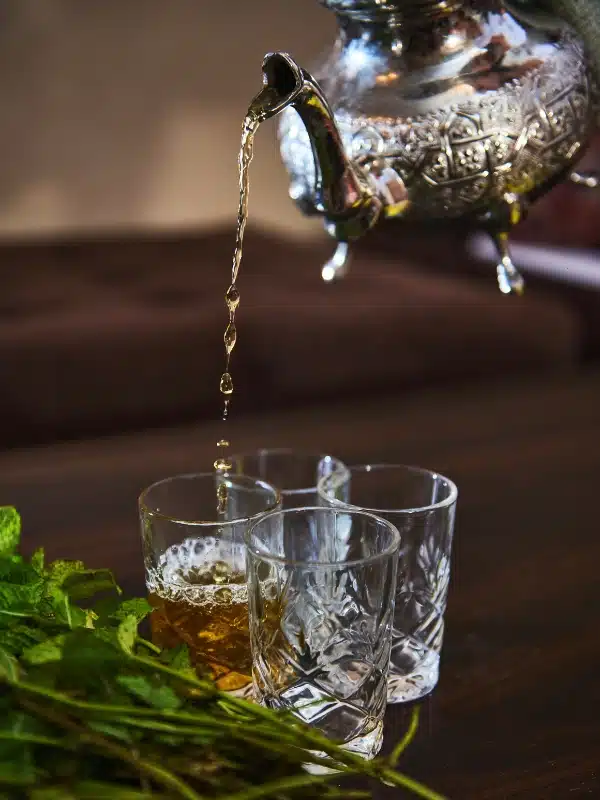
(517, 711)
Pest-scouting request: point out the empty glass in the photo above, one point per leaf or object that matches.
(195, 560)
(321, 601)
(294, 473)
(421, 504)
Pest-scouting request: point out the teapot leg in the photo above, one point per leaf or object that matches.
(510, 279)
(588, 180)
(499, 221)
(338, 264)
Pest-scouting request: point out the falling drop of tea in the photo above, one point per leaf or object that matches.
(232, 298)
(226, 384)
(256, 112)
(221, 497)
(230, 338)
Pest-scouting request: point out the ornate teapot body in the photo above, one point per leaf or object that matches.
(433, 109)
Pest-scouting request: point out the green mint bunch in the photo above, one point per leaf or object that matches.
(89, 708)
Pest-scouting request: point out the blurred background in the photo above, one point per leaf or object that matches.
(119, 131)
(128, 115)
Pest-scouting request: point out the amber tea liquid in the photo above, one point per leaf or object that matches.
(200, 600)
(204, 602)
(254, 116)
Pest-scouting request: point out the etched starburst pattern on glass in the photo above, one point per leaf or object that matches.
(421, 504)
(321, 600)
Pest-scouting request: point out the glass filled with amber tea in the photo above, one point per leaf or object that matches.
(193, 532)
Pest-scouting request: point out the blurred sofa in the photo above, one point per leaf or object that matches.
(101, 336)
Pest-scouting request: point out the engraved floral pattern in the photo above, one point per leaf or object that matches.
(455, 160)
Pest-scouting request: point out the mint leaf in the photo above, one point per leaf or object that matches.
(10, 530)
(178, 658)
(14, 569)
(21, 598)
(137, 607)
(58, 571)
(89, 660)
(20, 723)
(109, 729)
(83, 584)
(161, 696)
(17, 638)
(45, 652)
(37, 561)
(9, 668)
(127, 633)
(110, 610)
(98, 790)
(58, 607)
(16, 766)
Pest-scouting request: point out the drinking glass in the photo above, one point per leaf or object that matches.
(321, 625)
(422, 505)
(195, 564)
(295, 474)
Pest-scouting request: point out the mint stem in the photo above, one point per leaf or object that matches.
(161, 775)
(313, 740)
(275, 788)
(286, 749)
(30, 738)
(303, 736)
(407, 738)
(399, 779)
(149, 645)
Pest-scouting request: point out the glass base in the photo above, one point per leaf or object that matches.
(334, 718)
(414, 672)
(367, 746)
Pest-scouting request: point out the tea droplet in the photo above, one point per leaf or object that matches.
(230, 338)
(222, 443)
(221, 498)
(226, 385)
(232, 297)
(222, 465)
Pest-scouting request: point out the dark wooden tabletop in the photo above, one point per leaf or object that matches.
(516, 713)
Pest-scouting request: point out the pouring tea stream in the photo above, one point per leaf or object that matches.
(427, 110)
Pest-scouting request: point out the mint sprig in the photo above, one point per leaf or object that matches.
(89, 708)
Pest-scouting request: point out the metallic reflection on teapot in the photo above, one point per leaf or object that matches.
(431, 109)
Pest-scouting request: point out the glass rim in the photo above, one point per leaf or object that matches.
(247, 479)
(409, 468)
(281, 451)
(394, 548)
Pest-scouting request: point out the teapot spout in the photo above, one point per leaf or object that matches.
(343, 192)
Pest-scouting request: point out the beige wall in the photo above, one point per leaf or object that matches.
(128, 112)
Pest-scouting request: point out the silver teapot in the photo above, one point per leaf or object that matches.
(434, 109)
